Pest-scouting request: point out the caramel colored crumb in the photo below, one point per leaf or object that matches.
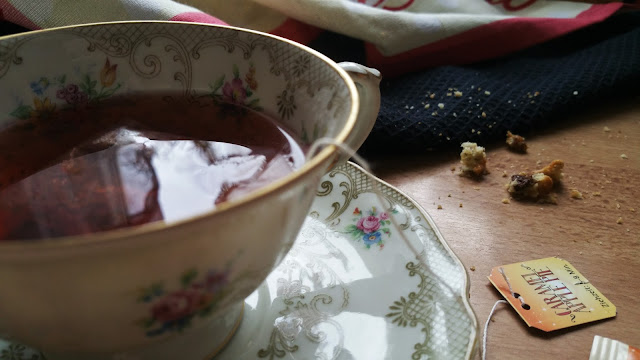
(575, 194)
(460, 204)
(516, 143)
(596, 193)
(537, 186)
(473, 159)
(472, 268)
(439, 207)
(504, 173)
(554, 170)
(506, 201)
(619, 221)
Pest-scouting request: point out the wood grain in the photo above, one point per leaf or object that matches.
(486, 233)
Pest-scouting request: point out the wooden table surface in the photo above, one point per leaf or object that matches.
(485, 233)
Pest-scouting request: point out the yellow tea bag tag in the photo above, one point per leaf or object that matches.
(550, 294)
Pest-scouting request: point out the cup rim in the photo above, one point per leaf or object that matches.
(34, 245)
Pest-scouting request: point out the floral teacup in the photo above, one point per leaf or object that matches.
(169, 290)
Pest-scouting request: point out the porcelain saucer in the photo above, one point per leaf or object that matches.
(351, 289)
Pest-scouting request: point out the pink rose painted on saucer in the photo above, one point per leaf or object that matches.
(370, 227)
(368, 224)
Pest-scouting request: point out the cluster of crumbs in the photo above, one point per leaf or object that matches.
(539, 185)
(473, 160)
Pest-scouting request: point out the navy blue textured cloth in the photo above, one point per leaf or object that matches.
(444, 106)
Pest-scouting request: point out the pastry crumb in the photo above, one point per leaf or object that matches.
(449, 195)
(504, 173)
(533, 187)
(460, 204)
(623, 156)
(539, 185)
(596, 193)
(619, 221)
(439, 207)
(441, 105)
(457, 93)
(618, 206)
(472, 268)
(516, 143)
(506, 201)
(554, 170)
(473, 159)
(575, 194)
(606, 129)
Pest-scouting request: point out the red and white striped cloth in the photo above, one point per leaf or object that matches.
(400, 35)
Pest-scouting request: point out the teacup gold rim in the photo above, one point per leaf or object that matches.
(6, 247)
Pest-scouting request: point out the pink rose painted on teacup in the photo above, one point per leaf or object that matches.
(384, 216)
(174, 311)
(176, 305)
(237, 91)
(368, 224)
(234, 91)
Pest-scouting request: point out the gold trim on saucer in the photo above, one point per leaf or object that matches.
(229, 336)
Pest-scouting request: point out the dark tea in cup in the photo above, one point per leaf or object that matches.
(133, 160)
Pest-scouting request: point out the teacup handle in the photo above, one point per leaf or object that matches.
(367, 82)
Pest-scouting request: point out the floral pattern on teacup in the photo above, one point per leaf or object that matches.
(237, 91)
(49, 93)
(370, 226)
(173, 311)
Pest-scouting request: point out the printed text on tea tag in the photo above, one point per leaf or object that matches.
(550, 294)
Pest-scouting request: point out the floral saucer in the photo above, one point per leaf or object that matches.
(350, 288)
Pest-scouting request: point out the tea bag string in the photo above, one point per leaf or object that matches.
(486, 327)
(493, 310)
(421, 256)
